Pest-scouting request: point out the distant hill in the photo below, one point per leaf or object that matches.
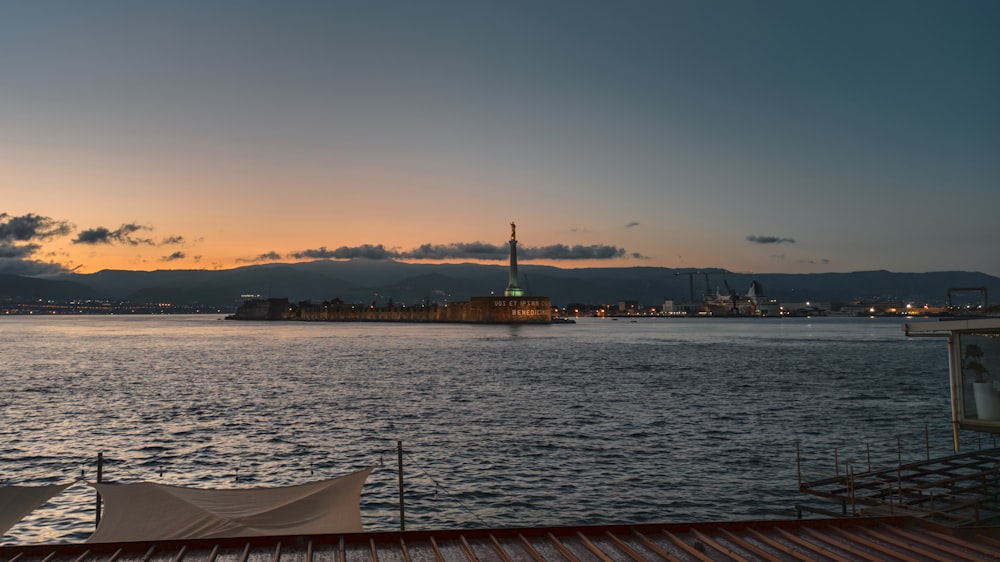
(23, 289)
(366, 281)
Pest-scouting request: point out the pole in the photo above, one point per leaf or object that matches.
(798, 464)
(399, 455)
(954, 368)
(100, 478)
(899, 467)
(927, 440)
(854, 501)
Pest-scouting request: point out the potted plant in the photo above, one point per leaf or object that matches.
(987, 397)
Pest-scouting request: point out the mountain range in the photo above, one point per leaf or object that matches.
(379, 281)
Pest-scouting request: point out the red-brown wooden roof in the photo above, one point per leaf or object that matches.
(874, 539)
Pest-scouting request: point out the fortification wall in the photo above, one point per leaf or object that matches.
(506, 310)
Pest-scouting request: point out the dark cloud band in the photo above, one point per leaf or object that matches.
(123, 235)
(19, 237)
(769, 239)
(460, 250)
(30, 227)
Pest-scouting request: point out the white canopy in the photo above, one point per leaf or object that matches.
(18, 501)
(145, 511)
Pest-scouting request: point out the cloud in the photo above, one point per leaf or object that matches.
(23, 251)
(94, 236)
(632, 224)
(20, 237)
(31, 268)
(122, 235)
(266, 256)
(30, 227)
(563, 252)
(366, 251)
(18, 242)
(174, 256)
(459, 250)
(484, 251)
(769, 239)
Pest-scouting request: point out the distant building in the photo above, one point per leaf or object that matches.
(667, 307)
(873, 308)
(265, 309)
(630, 308)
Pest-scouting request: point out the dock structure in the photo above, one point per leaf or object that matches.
(960, 490)
(880, 538)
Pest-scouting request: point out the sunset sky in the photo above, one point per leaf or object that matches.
(757, 136)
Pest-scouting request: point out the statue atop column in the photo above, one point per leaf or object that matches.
(513, 290)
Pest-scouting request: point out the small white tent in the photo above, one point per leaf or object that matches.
(145, 511)
(18, 501)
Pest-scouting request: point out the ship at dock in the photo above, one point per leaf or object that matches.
(719, 303)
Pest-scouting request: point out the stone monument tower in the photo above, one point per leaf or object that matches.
(513, 290)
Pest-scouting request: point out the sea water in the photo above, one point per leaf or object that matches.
(601, 421)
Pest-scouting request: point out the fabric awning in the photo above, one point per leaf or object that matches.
(146, 511)
(18, 501)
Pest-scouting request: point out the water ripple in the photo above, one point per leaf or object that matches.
(598, 422)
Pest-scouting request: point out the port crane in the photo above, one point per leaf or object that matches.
(690, 275)
(980, 290)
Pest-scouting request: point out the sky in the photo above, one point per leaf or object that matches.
(779, 136)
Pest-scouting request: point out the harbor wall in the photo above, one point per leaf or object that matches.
(500, 310)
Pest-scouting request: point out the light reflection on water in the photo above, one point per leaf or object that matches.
(602, 421)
